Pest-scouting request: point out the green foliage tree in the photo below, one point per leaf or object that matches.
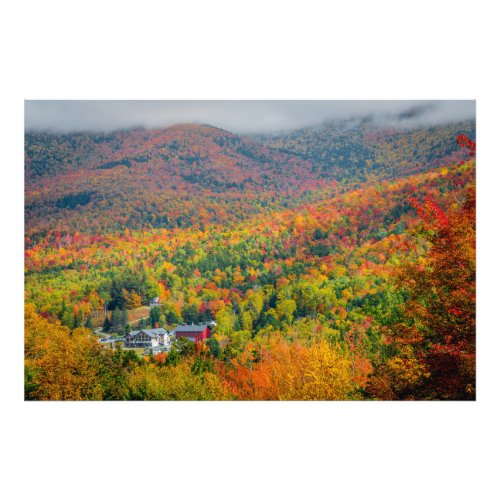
(88, 323)
(183, 346)
(116, 320)
(107, 325)
(154, 317)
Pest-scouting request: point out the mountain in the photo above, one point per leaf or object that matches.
(174, 177)
(355, 149)
(336, 256)
(184, 150)
(192, 175)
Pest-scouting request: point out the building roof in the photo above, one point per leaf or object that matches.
(191, 328)
(154, 332)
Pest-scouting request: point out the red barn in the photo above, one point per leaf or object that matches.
(195, 333)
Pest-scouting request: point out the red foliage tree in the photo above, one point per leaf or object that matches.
(434, 347)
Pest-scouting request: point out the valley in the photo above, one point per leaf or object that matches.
(302, 247)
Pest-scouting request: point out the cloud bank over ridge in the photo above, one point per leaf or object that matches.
(237, 116)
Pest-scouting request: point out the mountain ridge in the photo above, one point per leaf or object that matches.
(191, 174)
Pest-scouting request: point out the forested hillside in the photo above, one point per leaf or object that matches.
(337, 261)
(191, 175)
(183, 176)
(350, 150)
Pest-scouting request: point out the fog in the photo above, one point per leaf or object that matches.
(237, 116)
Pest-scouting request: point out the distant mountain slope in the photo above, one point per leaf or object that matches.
(354, 149)
(191, 175)
(186, 150)
(175, 177)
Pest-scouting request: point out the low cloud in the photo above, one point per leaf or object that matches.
(236, 116)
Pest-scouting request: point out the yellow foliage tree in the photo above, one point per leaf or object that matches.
(151, 382)
(294, 372)
(59, 364)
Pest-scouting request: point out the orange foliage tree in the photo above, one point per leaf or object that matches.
(294, 372)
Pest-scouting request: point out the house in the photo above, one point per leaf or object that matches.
(195, 333)
(155, 302)
(147, 338)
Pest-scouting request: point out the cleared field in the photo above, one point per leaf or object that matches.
(139, 313)
(134, 315)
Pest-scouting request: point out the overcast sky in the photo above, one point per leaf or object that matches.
(235, 116)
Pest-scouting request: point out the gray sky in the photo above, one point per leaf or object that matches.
(235, 116)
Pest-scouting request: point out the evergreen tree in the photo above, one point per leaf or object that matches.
(172, 317)
(190, 313)
(214, 346)
(116, 320)
(125, 318)
(154, 316)
(106, 326)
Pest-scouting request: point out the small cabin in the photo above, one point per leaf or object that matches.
(155, 302)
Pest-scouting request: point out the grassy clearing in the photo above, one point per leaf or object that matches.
(134, 315)
(137, 314)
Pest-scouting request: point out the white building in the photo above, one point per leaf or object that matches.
(155, 302)
(147, 338)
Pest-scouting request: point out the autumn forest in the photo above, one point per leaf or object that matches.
(336, 262)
